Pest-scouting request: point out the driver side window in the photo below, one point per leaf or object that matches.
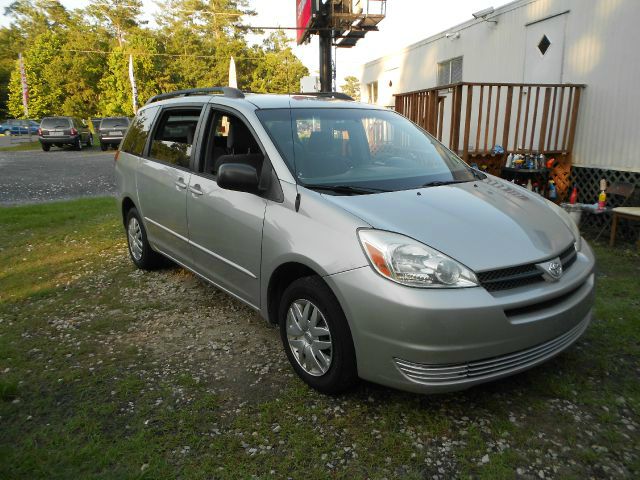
(229, 140)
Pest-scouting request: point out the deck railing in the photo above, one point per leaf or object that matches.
(472, 118)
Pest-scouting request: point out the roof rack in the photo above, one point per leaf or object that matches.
(336, 95)
(226, 91)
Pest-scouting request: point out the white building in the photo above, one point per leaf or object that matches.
(310, 83)
(590, 42)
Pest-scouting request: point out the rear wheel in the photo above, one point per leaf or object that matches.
(78, 144)
(7, 132)
(140, 251)
(90, 141)
(316, 336)
(104, 147)
(46, 147)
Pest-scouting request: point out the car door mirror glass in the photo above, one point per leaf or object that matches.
(238, 177)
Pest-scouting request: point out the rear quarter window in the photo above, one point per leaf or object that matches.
(136, 137)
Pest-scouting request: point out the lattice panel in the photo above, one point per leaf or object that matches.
(588, 181)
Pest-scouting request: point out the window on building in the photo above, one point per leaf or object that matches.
(450, 71)
(372, 91)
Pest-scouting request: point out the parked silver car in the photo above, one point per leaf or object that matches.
(377, 251)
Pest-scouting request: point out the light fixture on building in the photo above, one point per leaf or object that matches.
(483, 14)
(452, 35)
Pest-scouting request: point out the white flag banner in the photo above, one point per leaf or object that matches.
(25, 89)
(233, 82)
(134, 89)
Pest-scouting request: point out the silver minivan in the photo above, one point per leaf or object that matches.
(377, 251)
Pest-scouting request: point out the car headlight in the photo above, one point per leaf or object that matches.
(411, 263)
(568, 221)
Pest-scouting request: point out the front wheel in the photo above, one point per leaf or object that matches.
(90, 141)
(46, 147)
(140, 251)
(316, 336)
(7, 132)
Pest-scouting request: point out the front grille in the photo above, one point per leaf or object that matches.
(521, 275)
(455, 373)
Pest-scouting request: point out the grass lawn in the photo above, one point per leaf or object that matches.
(112, 373)
(21, 147)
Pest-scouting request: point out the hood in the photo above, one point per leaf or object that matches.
(485, 224)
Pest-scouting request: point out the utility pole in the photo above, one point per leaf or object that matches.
(325, 35)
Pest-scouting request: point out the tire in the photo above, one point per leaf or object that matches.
(89, 143)
(7, 132)
(46, 147)
(104, 147)
(340, 372)
(141, 253)
(78, 144)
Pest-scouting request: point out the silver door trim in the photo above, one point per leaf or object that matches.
(205, 250)
(168, 230)
(222, 259)
(207, 279)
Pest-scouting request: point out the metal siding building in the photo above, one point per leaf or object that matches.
(592, 42)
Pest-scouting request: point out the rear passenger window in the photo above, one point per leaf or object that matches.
(173, 139)
(138, 132)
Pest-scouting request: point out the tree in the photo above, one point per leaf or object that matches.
(119, 16)
(279, 70)
(351, 87)
(149, 69)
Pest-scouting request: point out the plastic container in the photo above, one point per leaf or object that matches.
(574, 211)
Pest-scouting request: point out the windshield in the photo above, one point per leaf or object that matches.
(114, 122)
(376, 150)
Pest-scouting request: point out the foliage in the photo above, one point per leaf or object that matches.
(351, 87)
(77, 61)
(279, 70)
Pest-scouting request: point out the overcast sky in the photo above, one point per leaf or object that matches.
(407, 21)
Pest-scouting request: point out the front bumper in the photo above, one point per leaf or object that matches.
(429, 340)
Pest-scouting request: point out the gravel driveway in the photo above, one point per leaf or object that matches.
(36, 176)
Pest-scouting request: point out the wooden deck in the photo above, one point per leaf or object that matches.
(472, 118)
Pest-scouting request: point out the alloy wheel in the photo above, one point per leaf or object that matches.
(309, 337)
(134, 232)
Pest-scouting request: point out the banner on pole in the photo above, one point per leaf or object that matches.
(25, 89)
(134, 90)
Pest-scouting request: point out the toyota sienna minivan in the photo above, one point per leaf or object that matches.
(377, 252)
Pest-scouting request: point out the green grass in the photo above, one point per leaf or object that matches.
(67, 378)
(21, 147)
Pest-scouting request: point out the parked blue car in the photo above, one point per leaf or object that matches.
(19, 127)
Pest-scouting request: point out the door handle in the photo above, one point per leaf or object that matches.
(180, 183)
(196, 189)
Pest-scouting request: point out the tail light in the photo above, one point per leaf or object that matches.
(39, 132)
(74, 131)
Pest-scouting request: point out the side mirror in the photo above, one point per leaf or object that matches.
(238, 176)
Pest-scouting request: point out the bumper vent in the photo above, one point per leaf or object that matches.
(457, 373)
(521, 275)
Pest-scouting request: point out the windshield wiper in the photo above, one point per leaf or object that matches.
(344, 189)
(439, 183)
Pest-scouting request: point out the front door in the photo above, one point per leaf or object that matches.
(163, 179)
(225, 227)
(544, 50)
